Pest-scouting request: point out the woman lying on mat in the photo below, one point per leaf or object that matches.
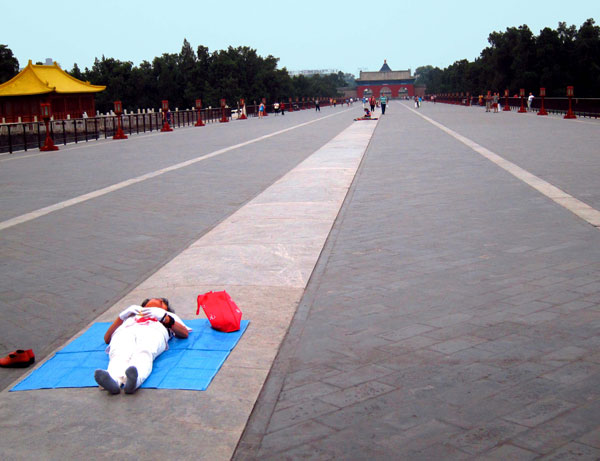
(367, 115)
(135, 339)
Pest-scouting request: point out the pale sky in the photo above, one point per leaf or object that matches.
(305, 34)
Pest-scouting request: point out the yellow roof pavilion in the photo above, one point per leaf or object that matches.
(37, 79)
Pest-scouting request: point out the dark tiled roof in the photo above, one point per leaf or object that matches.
(385, 67)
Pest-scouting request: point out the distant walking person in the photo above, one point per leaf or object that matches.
(372, 103)
(383, 102)
(261, 110)
(317, 105)
(529, 101)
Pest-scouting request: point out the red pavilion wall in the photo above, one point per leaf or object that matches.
(395, 89)
(28, 107)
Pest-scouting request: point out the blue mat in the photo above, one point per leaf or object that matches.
(189, 364)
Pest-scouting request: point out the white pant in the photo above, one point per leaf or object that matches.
(138, 346)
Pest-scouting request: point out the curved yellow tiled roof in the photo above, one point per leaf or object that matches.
(38, 79)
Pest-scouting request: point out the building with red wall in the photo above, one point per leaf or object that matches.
(21, 96)
(388, 82)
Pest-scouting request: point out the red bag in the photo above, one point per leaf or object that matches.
(221, 311)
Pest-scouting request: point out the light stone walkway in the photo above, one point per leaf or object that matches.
(263, 255)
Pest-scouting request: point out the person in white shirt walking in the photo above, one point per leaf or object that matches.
(529, 101)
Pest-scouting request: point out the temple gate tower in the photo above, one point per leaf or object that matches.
(386, 82)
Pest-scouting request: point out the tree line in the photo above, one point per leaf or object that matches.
(519, 59)
(183, 77)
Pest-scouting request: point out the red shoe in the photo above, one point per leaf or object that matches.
(18, 359)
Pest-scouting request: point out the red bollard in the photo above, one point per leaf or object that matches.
(118, 111)
(243, 106)
(570, 113)
(506, 105)
(46, 115)
(542, 95)
(522, 94)
(224, 119)
(199, 109)
(165, 110)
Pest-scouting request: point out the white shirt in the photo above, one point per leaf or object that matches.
(149, 325)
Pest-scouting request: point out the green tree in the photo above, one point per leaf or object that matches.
(145, 92)
(166, 72)
(76, 72)
(9, 66)
(552, 62)
(586, 54)
(517, 59)
(182, 78)
(117, 76)
(431, 77)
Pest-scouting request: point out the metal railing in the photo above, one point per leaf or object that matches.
(582, 107)
(31, 135)
(23, 136)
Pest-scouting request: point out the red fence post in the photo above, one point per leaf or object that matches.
(542, 95)
(199, 122)
(506, 105)
(223, 117)
(165, 110)
(118, 111)
(46, 115)
(522, 94)
(243, 106)
(570, 113)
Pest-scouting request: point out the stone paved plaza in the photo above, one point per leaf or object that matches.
(422, 287)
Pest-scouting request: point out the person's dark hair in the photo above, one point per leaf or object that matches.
(164, 300)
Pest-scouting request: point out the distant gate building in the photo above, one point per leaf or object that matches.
(388, 82)
(21, 96)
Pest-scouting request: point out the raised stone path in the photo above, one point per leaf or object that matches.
(453, 312)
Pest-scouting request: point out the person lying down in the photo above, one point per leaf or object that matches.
(137, 336)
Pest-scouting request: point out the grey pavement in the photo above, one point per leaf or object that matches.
(453, 312)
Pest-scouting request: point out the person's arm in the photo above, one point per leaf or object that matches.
(130, 311)
(111, 329)
(180, 330)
